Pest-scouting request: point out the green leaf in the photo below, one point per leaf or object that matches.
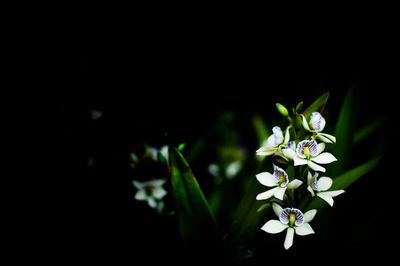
(196, 221)
(250, 214)
(261, 129)
(317, 106)
(345, 180)
(348, 178)
(367, 130)
(344, 133)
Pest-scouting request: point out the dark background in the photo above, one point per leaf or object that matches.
(171, 93)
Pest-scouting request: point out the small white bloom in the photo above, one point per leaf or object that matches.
(320, 187)
(233, 169)
(316, 125)
(310, 153)
(279, 180)
(150, 191)
(275, 143)
(164, 152)
(291, 219)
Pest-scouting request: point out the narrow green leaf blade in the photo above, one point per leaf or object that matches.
(250, 213)
(196, 221)
(344, 133)
(348, 178)
(317, 106)
(261, 129)
(249, 216)
(367, 130)
(345, 180)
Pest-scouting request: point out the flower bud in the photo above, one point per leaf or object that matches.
(282, 109)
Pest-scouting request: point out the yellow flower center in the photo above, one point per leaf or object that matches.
(292, 219)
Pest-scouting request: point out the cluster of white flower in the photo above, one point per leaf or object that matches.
(309, 155)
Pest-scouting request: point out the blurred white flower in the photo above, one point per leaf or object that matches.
(150, 191)
(291, 219)
(275, 143)
(320, 186)
(233, 169)
(279, 180)
(316, 125)
(310, 153)
(164, 152)
(153, 152)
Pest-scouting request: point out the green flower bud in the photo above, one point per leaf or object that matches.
(282, 109)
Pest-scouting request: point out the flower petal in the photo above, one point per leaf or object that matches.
(305, 123)
(152, 202)
(140, 195)
(311, 191)
(266, 150)
(262, 153)
(320, 148)
(137, 184)
(328, 195)
(332, 139)
(304, 229)
(299, 161)
(334, 193)
(266, 179)
(274, 227)
(326, 198)
(159, 192)
(317, 122)
(278, 136)
(270, 141)
(280, 192)
(295, 183)
(324, 183)
(277, 209)
(324, 158)
(266, 195)
(287, 136)
(309, 178)
(289, 153)
(323, 138)
(316, 167)
(157, 182)
(308, 216)
(164, 152)
(289, 238)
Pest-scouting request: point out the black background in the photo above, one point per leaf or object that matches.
(178, 85)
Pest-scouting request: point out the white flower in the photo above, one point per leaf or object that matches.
(291, 219)
(279, 180)
(153, 152)
(309, 152)
(150, 191)
(320, 186)
(233, 169)
(316, 125)
(275, 143)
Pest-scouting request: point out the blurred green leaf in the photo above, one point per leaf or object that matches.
(194, 151)
(261, 129)
(345, 180)
(344, 133)
(348, 178)
(299, 106)
(317, 106)
(196, 221)
(249, 215)
(367, 130)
